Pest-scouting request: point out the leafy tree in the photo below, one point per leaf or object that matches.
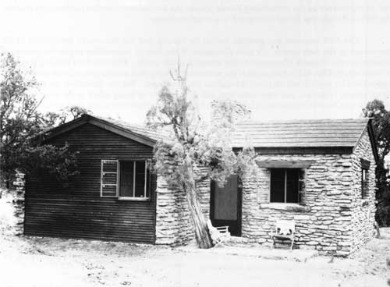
(381, 123)
(192, 145)
(66, 114)
(21, 122)
(58, 161)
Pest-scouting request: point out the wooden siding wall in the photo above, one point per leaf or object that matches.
(78, 211)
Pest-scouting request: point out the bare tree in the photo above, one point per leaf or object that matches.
(194, 144)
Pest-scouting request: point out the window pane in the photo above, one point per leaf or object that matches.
(292, 185)
(140, 179)
(277, 185)
(126, 179)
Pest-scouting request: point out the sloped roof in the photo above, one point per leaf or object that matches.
(137, 129)
(139, 133)
(343, 133)
(302, 133)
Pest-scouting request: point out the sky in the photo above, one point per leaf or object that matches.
(283, 59)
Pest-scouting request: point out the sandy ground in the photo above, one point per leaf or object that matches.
(36, 261)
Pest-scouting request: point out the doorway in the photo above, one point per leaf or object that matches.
(225, 205)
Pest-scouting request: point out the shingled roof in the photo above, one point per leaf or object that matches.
(300, 133)
(343, 133)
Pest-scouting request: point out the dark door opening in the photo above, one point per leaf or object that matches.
(225, 205)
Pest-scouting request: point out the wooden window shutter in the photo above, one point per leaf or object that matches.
(264, 194)
(301, 186)
(365, 167)
(109, 178)
(364, 183)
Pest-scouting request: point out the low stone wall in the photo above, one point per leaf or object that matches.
(19, 184)
(173, 220)
(172, 215)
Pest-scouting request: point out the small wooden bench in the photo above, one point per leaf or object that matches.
(218, 234)
(223, 229)
(284, 230)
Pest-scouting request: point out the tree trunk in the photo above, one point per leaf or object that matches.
(199, 222)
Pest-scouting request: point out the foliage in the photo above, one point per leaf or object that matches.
(21, 122)
(193, 144)
(18, 112)
(225, 116)
(59, 161)
(66, 114)
(381, 124)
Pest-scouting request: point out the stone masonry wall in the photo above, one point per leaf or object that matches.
(324, 217)
(19, 184)
(363, 209)
(172, 216)
(173, 220)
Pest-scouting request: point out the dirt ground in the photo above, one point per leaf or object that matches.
(37, 261)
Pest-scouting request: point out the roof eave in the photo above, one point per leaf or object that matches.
(302, 150)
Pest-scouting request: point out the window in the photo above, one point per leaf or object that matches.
(125, 179)
(364, 183)
(134, 179)
(286, 184)
(365, 165)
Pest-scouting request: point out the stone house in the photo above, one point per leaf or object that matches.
(319, 173)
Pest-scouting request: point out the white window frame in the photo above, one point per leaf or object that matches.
(109, 184)
(134, 175)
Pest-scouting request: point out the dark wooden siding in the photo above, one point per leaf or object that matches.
(78, 210)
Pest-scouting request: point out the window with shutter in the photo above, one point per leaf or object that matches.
(126, 179)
